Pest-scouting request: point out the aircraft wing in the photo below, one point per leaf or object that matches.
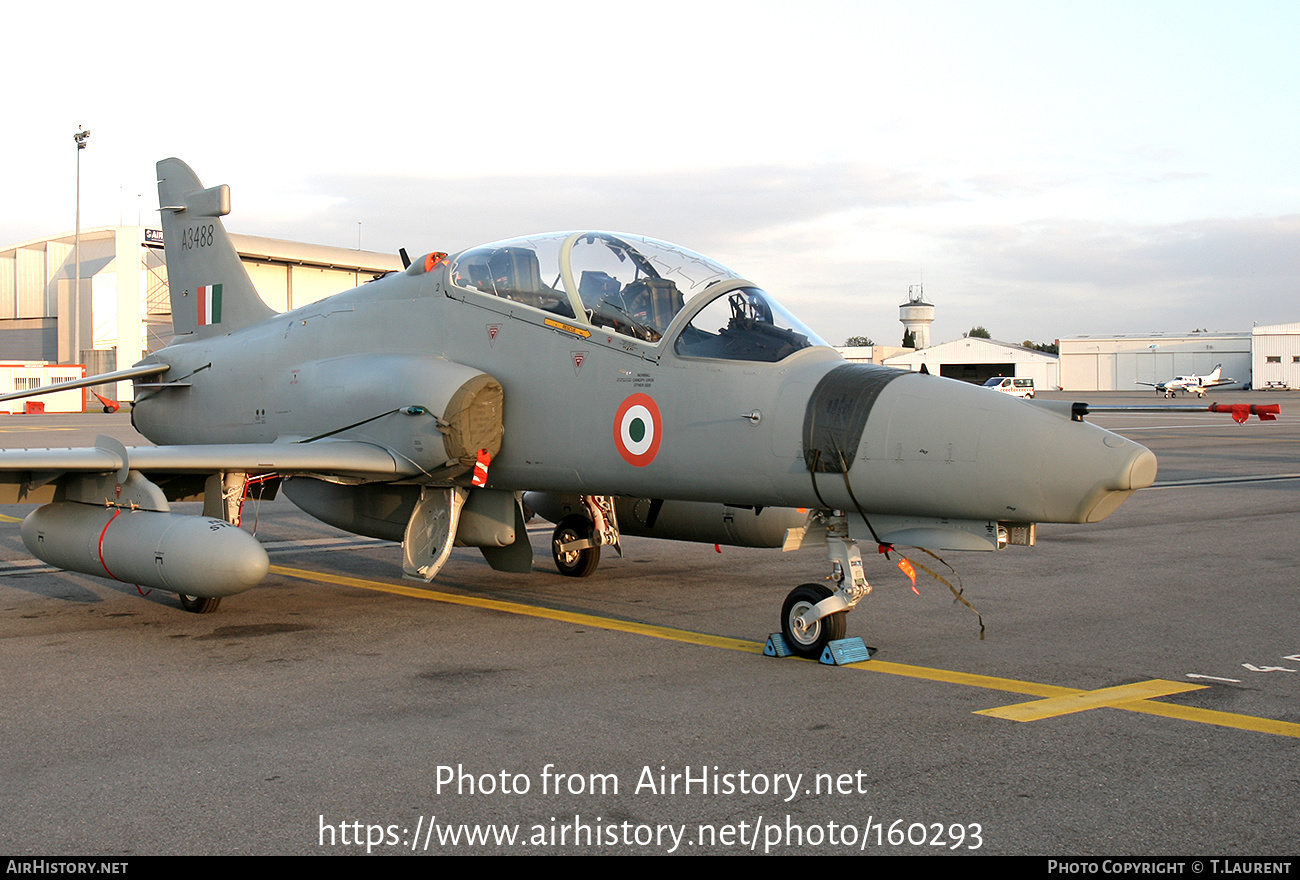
(23, 469)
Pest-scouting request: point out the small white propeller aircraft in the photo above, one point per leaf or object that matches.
(1197, 385)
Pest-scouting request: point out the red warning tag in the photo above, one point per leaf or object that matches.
(906, 568)
(481, 468)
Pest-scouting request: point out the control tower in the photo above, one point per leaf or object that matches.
(917, 315)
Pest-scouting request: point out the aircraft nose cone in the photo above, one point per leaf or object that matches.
(1139, 471)
(936, 447)
(1102, 475)
(1143, 472)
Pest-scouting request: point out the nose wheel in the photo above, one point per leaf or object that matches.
(810, 640)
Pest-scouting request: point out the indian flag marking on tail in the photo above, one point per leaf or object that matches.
(209, 304)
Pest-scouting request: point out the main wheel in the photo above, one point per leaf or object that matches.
(811, 641)
(200, 604)
(574, 563)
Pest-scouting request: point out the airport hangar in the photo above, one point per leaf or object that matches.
(973, 359)
(1124, 362)
(1134, 362)
(1264, 357)
(122, 311)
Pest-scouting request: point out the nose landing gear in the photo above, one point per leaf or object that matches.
(813, 615)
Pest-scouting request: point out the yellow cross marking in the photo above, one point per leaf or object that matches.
(1081, 701)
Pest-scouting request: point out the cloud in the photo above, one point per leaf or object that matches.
(1077, 277)
(701, 209)
(1119, 255)
(840, 242)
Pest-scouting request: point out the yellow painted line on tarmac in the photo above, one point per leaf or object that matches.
(6, 518)
(1011, 685)
(1211, 716)
(592, 620)
(1056, 700)
(17, 429)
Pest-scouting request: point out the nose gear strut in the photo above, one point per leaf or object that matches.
(813, 614)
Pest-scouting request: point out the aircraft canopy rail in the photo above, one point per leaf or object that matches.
(634, 286)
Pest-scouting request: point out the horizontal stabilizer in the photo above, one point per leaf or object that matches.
(101, 379)
(211, 202)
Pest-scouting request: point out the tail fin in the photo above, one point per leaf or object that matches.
(211, 292)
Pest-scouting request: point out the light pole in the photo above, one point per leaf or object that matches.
(80, 137)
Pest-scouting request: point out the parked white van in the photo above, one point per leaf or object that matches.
(1018, 387)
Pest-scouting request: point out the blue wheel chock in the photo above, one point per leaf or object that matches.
(836, 653)
(776, 647)
(844, 651)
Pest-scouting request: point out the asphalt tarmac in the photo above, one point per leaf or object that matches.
(1137, 691)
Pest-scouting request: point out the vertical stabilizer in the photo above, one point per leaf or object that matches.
(211, 292)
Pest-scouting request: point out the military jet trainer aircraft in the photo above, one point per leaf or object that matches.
(629, 384)
(1193, 384)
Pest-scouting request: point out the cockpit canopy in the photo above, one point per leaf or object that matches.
(635, 286)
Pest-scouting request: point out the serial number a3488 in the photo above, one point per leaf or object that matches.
(197, 237)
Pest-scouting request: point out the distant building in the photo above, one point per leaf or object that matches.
(29, 377)
(976, 360)
(917, 315)
(123, 311)
(1124, 361)
(1275, 355)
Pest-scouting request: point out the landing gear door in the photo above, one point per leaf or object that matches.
(431, 532)
(517, 556)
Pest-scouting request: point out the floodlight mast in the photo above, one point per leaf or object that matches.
(81, 136)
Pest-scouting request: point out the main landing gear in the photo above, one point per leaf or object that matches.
(577, 539)
(813, 614)
(199, 604)
(572, 548)
(223, 498)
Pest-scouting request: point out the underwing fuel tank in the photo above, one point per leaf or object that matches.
(883, 441)
(189, 555)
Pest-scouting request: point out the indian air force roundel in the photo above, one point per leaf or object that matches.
(638, 428)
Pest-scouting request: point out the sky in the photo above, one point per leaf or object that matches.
(1043, 169)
